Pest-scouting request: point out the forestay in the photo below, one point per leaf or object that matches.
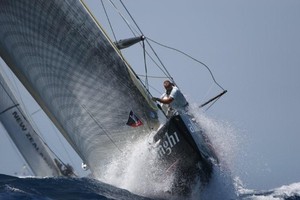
(77, 75)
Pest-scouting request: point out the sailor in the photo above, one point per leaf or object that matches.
(65, 169)
(173, 99)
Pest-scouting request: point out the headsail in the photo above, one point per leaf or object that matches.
(28, 142)
(77, 76)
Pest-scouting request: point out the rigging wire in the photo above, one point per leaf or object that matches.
(131, 17)
(40, 135)
(110, 25)
(190, 58)
(62, 144)
(168, 75)
(164, 70)
(146, 70)
(212, 104)
(160, 77)
(101, 126)
(135, 33)
(153, 88)
(141, 32)
(133, 30)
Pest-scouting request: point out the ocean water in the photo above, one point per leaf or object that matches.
(60, 188)
(86, 188)
(126, 185)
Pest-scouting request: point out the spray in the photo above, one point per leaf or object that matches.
(137, 170)
(225, 141)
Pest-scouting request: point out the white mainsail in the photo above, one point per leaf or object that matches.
(23, 135)
(77, 75)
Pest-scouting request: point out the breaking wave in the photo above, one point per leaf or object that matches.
(139, 176)
(60, 188)
(86, 188)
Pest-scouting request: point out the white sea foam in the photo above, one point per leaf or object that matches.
(137, 171)
(225, 142)
(291, 191)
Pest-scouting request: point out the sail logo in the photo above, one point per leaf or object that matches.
(24, 128)
(166, 147)
(28, 135)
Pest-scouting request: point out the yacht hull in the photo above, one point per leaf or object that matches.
(184, 152)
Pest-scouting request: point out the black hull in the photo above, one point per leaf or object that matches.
(184, 152)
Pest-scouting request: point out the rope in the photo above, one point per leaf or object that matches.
(131, 17)
(165, 71)
(134, 32)
(190, 58)
(161, 66)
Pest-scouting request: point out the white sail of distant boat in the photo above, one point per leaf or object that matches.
(30, 145)
(82, 82)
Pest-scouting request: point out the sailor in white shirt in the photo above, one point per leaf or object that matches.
(173, 98)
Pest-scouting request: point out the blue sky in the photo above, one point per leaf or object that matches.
(252, 47)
